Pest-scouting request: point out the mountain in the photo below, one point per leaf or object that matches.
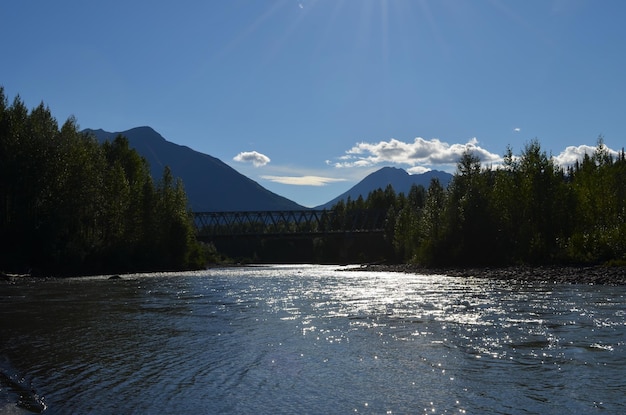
(211, 185)
(399, 179)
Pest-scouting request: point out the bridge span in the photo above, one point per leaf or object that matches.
(296, 236)
(287, 222)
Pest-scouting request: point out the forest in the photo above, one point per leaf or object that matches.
(70, 205)
(527, 211)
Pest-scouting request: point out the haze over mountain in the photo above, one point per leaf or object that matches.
(399, 179)
(210, 184)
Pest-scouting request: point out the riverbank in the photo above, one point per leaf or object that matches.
(604, 275)
(601, 275)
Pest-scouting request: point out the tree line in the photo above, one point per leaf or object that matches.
(70, 205)
(527, 211)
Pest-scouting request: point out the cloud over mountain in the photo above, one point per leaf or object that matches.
(419, 153)
(256, 158)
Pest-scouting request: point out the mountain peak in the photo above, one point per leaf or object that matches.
(144, 133)
(389, 171)
(211, 185)
(391, 168)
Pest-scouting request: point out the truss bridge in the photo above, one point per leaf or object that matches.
(287, 223)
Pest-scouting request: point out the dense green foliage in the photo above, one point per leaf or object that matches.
(71, 205)
(528, 211)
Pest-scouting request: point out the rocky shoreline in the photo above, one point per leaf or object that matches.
(601, 275)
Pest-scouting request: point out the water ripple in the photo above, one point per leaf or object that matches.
(309, 339)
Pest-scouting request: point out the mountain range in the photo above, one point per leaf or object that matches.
(213, 186)
(399, 179)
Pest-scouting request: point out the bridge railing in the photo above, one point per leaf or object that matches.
(287, 222)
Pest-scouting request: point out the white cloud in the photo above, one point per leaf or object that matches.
(571, 154)
(417, 154)
(257, 159)
(417, 170)
(517, 129)
(303, 180)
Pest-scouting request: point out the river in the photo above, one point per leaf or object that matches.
(310, 339)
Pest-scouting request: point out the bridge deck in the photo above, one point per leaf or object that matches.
(290, 222)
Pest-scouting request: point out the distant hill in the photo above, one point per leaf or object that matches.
(210, 184)
(399, 179)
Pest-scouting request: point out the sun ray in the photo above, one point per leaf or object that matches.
(252, 28)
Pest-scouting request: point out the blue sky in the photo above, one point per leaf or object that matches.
(307, 97)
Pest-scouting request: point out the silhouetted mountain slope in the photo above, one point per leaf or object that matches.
(210, 184)
(399, 179)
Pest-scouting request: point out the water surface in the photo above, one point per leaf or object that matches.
(311, 339)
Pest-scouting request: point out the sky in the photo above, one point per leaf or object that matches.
(307, 97)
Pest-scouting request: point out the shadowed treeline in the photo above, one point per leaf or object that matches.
(70, 205)
(528, 211)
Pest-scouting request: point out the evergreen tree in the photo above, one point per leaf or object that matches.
(431, 226)
(599, 188)
(69, 205)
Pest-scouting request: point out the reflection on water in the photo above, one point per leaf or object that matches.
(309, 339)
